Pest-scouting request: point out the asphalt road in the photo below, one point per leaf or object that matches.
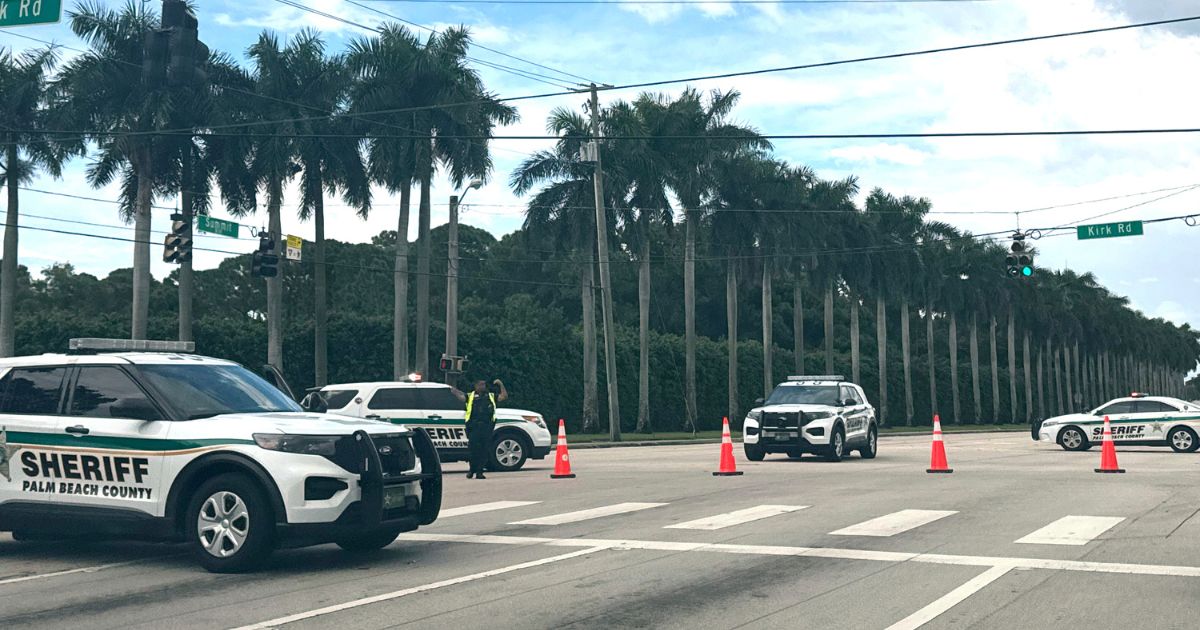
(808, 544)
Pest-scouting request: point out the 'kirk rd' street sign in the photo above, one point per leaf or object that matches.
(1109, 230)
(24, 12)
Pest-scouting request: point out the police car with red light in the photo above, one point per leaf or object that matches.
(1137, 419)
(824, 415)
(519, 436)
(141, 439)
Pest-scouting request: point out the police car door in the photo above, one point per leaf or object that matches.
(447, 418)
(1119, 414)
(1154, 417)
(116, 442)
(30, 424)
(855, 414)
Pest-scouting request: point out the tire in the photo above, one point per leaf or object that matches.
(872, 448)
(368, 541)
(231, 515)
(1183, 440)
(509, 452)
(754, 452)
(1072, 438)
(837, 445)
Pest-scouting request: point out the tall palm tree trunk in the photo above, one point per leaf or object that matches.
(1080, 387)
(731, 334)
(591, 412)
(929, 343)
(798, 326)
(855, 362)
(995, 373)
(1067, 374)
(975, 369)
(400, 351)
(1041, 388)
(141, 247)
(1060, 409)
(953, 336)
(187, 280)
(275, 284)
(768, 333)
(1011, 337)
(320, 298)
(1028, 381)
(906, 350)
(829, 327)
(643, 421)
(424, 252)
(689, 318)
(8, 263)
(881, 342)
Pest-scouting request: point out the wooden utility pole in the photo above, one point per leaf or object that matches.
(606, 302)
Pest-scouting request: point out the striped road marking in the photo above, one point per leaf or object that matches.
(584, 515)
(1072, 530)
(721, 521)
(894, 523)
(484, 507)
(949, 600)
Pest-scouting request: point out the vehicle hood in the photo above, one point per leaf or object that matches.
(795, 408)
(1073, 417)
(300, 423)
(510, 413)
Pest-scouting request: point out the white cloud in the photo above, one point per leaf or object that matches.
(1171, 311)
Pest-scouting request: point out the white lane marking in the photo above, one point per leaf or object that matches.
(894, 523)
(583, 515)
(374, 599)
(827, 552)
(949, 600)
(721, 521)
(93, 569)
(1072, 530)
(484, 507)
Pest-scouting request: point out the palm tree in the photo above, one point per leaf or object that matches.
(24, 87)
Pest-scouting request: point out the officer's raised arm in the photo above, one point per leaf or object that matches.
(459, 395)
(503, 396)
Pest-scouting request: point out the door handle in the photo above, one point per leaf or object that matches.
(373, 416)
(434, 417)
(78, 429)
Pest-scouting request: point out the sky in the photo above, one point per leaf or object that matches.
(1127, 79)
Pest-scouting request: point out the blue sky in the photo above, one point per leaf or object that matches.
(1119, 80)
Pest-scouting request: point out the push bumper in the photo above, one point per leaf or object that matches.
(539, 452)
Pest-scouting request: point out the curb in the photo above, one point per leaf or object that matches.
(590, 445)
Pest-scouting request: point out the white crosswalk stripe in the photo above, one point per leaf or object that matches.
(484, 507)
(1072, 530)
(721, 521)
(584, 515)
(894, 523)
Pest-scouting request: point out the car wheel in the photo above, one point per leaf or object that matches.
(368, 541)
(754, 452)
(837, 445)
(509, 453)
(1183, 440)
(869, 451)
(1073, 439)
(230, 525)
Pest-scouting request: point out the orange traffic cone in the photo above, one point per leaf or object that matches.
(1108, 452)
(562, 461)
(728, 466)
(937, 460)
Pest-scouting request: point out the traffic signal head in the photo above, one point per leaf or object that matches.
(1019, 262)
(264, 262)
(177, 246)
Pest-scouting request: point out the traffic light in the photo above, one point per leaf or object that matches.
(265, 262)
(1019, 261)
(177, 246)
(188, 56)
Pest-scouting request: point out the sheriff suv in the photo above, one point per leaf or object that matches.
(824, 415)
(154, 443)
(1136, 420)
(520, 435)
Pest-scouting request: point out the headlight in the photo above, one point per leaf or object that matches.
(323, 445)
(818, 415)
(755, 415)
(536, 420)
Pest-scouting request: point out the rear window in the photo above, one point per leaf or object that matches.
(395, 398)
(32, 391)
(1154, 406)
(440, 399)
(339, 398)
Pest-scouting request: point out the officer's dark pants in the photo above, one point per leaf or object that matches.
(479, 440)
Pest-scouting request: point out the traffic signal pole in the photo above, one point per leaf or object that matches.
(610, 345)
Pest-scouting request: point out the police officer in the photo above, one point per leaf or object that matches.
(481, 421)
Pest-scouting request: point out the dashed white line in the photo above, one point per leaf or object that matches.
(721, 521)
(894, 523)
(92, 569)
(584, 515)
(949, 600)
(484, 507)
(1072, 530)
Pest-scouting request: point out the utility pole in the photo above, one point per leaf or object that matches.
(452, 284)
(610, 342)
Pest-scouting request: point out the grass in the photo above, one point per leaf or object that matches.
(629, 436)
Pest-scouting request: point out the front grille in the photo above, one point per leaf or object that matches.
(395, 454)
(782, 421)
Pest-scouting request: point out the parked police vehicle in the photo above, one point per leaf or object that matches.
(1137, 419)
(139, 439)
(519, 435)
(825, 415)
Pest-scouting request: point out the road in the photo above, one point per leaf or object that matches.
(1021, 535)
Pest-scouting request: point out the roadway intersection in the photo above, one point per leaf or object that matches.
(1022, 534)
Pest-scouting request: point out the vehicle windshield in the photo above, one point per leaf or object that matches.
(202, 391)
(804, 395)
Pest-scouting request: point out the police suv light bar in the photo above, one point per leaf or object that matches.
(819, 377)
(93, 344)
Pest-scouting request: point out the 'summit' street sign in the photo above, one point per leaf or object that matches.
(25, 12)
(1109, 230)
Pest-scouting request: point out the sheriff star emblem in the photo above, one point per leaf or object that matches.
(6, 453)
(1156, 427)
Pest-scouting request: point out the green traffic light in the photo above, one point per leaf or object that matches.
(1026, 271)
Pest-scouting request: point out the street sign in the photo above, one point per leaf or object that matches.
(26, 12)
(294, 243)
(1109, 230)
(217, 226)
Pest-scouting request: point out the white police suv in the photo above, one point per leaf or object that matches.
(1138, 419)
(154, 443)
(520, 435)
(824, 415)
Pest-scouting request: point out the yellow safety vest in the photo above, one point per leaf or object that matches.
(471, 403)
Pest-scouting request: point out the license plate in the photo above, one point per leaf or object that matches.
(393, 497)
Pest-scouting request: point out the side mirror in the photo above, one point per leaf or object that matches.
(135, 409)
(758, 402)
